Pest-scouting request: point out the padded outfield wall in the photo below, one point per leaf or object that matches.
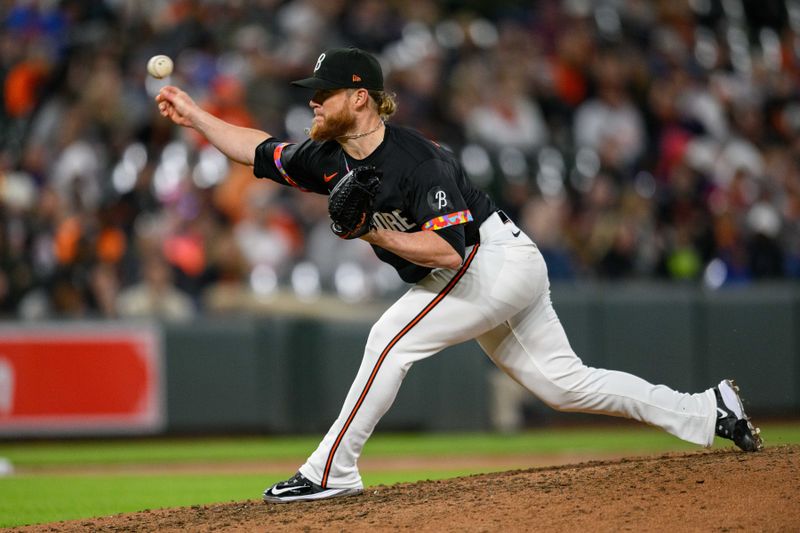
(268, 372)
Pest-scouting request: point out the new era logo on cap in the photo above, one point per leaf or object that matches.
(344, 68)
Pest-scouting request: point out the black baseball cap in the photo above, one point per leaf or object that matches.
(345, 68)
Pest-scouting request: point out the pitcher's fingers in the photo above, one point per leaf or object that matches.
(167, 93)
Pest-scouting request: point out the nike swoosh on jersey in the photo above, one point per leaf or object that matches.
(328, 178)
(516, 233)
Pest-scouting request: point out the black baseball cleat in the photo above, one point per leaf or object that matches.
(298, 488)
(732, 422)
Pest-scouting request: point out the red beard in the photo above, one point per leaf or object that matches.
(333, 126)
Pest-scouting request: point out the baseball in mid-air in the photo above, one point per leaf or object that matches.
(160, 66)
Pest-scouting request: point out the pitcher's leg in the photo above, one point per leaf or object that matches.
(498, 278)
(432, 315)
(533, 348)
(334, 462)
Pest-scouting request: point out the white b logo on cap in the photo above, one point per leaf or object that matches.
(320, 59)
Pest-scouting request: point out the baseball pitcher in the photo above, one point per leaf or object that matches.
(474, 273)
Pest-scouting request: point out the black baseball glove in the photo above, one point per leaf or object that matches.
(350, 203)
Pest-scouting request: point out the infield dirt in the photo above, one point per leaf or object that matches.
(720, 490)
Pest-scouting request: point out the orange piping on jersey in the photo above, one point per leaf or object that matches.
(444, 292)
(276, 157)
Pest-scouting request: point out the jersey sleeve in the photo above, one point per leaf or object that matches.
(287, 164)
(437, 203)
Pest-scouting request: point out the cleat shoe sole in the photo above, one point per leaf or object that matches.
(744, 434)
(751, 443)
(322, 495)
(298, 488)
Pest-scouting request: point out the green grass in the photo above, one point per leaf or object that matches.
(38, 498)
(629, 439)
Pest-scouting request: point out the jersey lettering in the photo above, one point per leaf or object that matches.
(394, 221)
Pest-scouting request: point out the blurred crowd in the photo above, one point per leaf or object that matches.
(631, 139)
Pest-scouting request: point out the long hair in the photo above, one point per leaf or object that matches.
(386, 102)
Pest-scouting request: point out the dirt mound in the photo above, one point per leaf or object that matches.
(722, 490)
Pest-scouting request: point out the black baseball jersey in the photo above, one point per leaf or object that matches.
(423, 187)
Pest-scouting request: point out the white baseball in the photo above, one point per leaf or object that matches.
(160, 66)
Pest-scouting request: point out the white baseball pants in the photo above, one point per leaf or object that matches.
(501, 298)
